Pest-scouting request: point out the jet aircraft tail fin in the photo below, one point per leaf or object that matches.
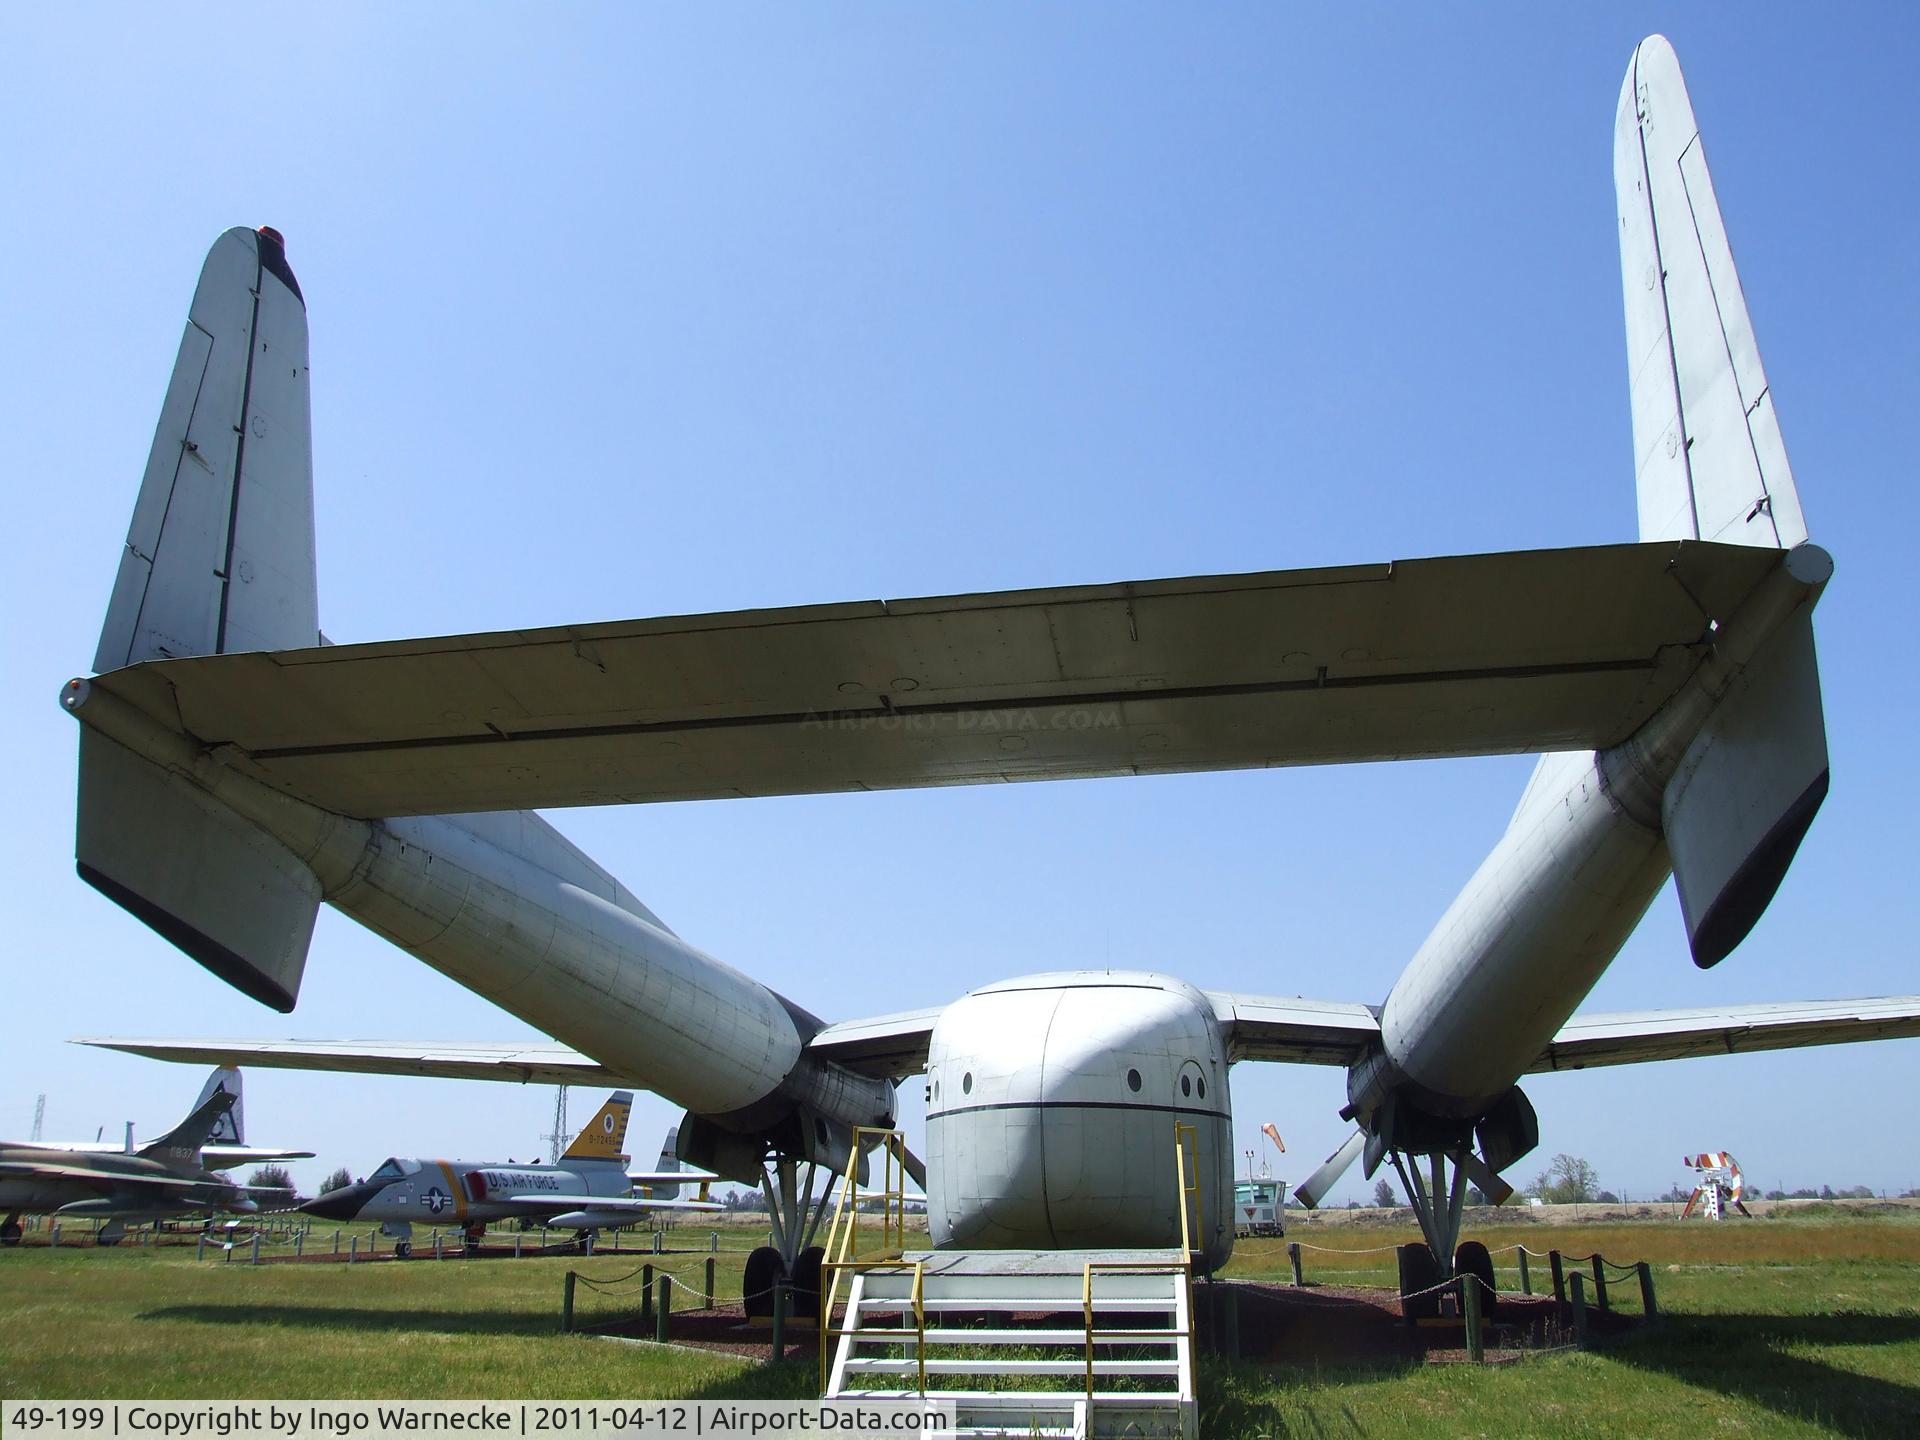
(231, 1127)
(219, 557)
(1710, 465)
(605, 1136)
(213, 1115)
(668, 1162)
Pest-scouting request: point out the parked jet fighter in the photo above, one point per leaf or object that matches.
(162, 1179)
(588, 1190)
(1671, 684)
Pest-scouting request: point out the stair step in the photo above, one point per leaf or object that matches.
(905, 1366)
(938, 1335)
(1018, 1304)
(1038, 1401)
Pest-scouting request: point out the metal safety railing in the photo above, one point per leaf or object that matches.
(1186, 1161)
(844, 1256)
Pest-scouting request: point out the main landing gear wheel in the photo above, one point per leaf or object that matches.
(11, 1231)
(806, 1282)
(764, 1270)
(1418, 1275)
(402, 1249)
(1471, 1263)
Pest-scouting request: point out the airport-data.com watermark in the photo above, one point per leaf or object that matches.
(967, 722)
(531, 1419)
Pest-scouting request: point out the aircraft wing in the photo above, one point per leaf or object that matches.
(1642, 1035)
(213, 1157)
(634, 1204)
(1301, 1032)
(885, 1047)
(528, 1064)
(103, 1179)
(1565, 649)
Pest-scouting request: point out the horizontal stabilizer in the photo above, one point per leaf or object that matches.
(524, 1064)
(1469, 655)
(233, 898)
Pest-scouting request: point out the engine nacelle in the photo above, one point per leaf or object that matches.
(1051, 1106)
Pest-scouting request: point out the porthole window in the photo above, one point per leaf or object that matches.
(1203, 1088)
(1186, 1085)
(966, 1083)
(1133, 1081)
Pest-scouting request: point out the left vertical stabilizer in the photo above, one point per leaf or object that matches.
(220, 554)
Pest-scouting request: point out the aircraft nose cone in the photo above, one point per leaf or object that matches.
(344, 1203)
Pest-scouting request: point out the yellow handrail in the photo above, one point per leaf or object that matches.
(843, 1250)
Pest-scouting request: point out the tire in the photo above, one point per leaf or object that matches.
(806, 1282)
(1418, 1272)
(1472, 1259)
(764, 1267)
(402, 1250)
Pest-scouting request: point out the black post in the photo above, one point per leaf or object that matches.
(1526, 1280)
(779, 1320)
(646, 1294)
(1470, 1310)
(1293, 1254)
(1580, 1311)
(1646, 1290)
(1599, 1281)
(709, 1282)
(1559, 1277)
(566, 1303)
(661, 1307)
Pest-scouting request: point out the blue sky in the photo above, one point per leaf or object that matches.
(619, 312)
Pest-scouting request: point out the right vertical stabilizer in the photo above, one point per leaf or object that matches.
(1707, 449)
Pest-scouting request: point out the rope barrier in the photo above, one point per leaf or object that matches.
(1338, 1250)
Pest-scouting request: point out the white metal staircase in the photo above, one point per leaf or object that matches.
(1081, 1343)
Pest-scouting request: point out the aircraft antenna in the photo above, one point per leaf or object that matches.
(39, 1115)
(557, 1138)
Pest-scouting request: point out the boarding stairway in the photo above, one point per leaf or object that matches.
(1059, 1343)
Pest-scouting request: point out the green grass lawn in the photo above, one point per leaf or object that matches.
(1807, 1326)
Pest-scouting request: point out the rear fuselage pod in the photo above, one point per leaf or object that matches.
(1052, 1102)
